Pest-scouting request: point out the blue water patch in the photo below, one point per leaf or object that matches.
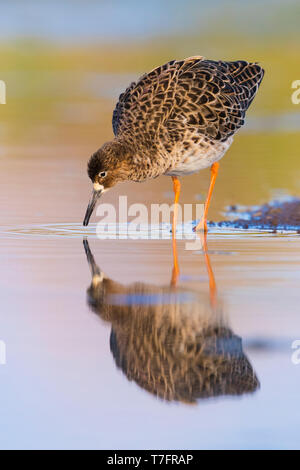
(167, 298)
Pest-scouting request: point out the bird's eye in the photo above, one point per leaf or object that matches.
(102, 174)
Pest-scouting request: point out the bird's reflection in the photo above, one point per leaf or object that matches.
(171, 341)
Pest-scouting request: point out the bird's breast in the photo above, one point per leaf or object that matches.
(188, 159)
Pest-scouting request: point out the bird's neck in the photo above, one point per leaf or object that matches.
(141, 162)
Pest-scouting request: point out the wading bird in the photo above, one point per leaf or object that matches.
(176, 120)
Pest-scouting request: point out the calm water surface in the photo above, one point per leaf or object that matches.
(127, 361)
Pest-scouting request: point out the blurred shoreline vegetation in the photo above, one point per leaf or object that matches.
(280, 59)
(61, 94)
(63, 90)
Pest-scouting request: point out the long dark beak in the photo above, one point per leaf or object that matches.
(91, 206)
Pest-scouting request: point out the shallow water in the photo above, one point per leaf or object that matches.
(61, 386)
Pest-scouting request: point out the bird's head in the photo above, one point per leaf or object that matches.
(106, 167)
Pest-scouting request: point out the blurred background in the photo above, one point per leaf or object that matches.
(65, 63)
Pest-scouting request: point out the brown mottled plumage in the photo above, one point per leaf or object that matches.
(175, 120)
(169, 340)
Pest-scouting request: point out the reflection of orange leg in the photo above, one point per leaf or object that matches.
(175, 272)
(203, 222)
(176, 189)
(212, 282)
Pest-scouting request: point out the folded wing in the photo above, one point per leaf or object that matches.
(208, 97)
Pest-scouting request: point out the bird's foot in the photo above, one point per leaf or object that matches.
(201, 227)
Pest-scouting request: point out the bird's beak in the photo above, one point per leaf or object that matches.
(92, 202)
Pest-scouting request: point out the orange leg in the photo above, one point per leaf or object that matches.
(203, 222)
(175, 272)
(176, 189)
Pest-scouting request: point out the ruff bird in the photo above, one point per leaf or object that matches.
(175, 120)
